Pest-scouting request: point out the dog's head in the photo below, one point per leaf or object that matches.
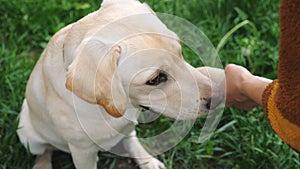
(134, 60)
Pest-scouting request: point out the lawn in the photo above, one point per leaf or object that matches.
(242, 139)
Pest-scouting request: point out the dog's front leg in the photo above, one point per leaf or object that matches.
(83, 158)
(43, 161)
(141, 156)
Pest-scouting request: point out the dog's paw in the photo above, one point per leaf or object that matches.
(152, 163)
(43, 161)
(42, 166)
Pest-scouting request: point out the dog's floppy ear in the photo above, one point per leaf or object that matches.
(93, 76)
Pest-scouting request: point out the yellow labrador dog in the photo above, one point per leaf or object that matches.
(85, 91)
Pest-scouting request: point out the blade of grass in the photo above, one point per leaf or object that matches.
(233, 30)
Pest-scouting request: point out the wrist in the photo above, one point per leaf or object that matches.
(253, 87)
(245, 84)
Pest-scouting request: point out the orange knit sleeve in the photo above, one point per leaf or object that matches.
(281, 99)
(288, 131)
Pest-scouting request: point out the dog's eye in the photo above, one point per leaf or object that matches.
(161, 77)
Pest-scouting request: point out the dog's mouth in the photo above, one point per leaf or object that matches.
(145, 107)
(153, 111)
(149, 109)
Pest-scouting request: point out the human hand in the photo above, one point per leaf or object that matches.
(238, 84)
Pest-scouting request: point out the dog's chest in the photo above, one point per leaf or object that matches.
(94, 125)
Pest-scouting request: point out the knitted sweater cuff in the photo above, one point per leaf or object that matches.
(286, 130)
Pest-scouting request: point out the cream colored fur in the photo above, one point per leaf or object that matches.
(85, 91)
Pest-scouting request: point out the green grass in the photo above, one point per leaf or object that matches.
(242, 140)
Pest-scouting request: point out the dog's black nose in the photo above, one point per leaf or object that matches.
(208, 104)
(213, 102)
